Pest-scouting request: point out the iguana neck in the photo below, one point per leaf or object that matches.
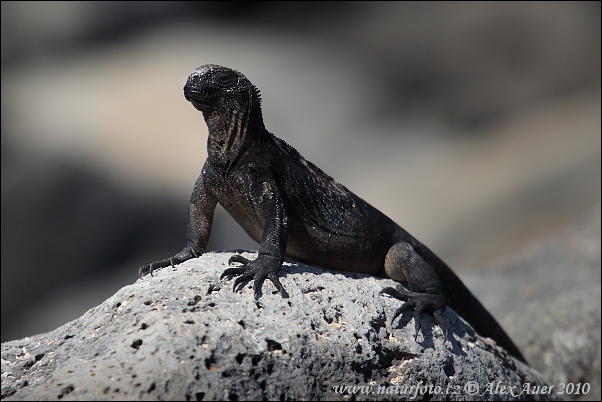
(232, 132)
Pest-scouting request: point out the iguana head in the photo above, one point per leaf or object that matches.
(215, 88)
(231, 107)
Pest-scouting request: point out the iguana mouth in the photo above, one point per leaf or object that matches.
(193, 95)
(199, 99)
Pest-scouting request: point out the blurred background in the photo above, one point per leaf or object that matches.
(475, 126)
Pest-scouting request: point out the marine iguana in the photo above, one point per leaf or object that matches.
(291, 207)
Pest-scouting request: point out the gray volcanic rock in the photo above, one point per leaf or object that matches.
(548, 299)
(563, 341)
(185, 335)
(555, 307)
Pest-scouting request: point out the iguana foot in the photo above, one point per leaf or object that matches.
(262, 268)
(420, 302)
(186, 254)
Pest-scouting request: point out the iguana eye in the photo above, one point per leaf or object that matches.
(224, 79)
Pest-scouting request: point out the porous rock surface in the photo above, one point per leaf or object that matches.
(184, 335)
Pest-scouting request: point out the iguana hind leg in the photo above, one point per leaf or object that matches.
(403, 264)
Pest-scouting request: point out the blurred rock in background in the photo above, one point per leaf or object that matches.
(476, 126)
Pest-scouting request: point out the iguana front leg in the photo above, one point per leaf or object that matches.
(269, 207)
(198, 227)
(403, 264)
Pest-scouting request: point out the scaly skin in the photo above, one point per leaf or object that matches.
(289, 206)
